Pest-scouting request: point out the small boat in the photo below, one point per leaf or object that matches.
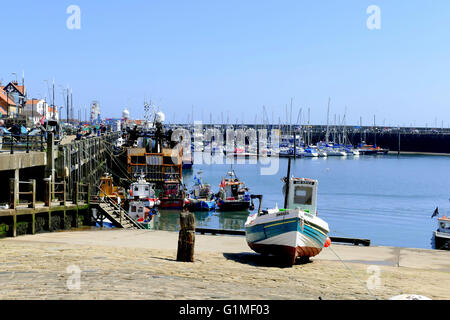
(233, 194)
(105, 223)
(309, 153)
(100, 220)
(107, 188)
(442, 234)
(173, 197)
(333, 150)
(293, 232)
(320, 152)
(286, 152)
(142, 214)
(143, 191)
(201, 197)
(142, 202)
(381, 150)
(366, 149)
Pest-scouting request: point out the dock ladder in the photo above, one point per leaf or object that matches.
(117, 214)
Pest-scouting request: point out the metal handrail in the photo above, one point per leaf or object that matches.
(117, 207)
(14, 142)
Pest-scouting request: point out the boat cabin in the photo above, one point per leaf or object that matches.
(107, 188)
(444, 224)
(139, 211)
(233, 189)
(141, 190)
(303, 194)
(172, 188)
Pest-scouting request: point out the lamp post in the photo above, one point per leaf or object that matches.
(7, 104)
(46, 106)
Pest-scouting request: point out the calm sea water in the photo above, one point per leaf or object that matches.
(386, 199)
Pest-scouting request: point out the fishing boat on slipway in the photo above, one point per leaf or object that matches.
(293, 232)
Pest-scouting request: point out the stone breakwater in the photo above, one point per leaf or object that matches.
(122, 264)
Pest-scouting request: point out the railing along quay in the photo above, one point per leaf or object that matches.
(22, 142)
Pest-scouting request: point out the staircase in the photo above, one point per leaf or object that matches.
(118, 216)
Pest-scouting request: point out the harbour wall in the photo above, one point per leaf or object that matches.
(421, 140)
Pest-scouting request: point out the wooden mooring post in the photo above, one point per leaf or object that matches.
(186, 240)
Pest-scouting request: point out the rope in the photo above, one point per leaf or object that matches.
(119, 165)
(121, 168)
(354, 275)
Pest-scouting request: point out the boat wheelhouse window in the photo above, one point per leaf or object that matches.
(303, 195)
(136, 188)
(146, 188)
(133, 209)
(234, 190)
(140, 209)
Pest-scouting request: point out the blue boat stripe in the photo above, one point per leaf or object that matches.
(272, 229)
(312, 237)
(317, 234)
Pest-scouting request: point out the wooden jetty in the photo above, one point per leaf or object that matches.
(51, 189)
(354, 241)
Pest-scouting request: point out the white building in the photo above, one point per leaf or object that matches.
(38, 108)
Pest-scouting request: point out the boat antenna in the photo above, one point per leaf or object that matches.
(287, 184)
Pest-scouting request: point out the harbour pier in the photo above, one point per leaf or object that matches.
(50, 190)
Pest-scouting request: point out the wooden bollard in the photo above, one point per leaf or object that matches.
(186, 239)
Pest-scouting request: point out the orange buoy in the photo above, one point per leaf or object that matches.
(327, 242)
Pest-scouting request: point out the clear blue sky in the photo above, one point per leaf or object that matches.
(236, 56)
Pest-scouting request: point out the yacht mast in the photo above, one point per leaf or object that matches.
(327, 138)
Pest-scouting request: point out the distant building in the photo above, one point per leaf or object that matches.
(18, 95)
(35, 109)
(6, 103)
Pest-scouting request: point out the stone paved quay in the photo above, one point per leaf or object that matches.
(124, 264)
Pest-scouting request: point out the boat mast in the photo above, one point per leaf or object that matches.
(309, 126)
(287, 184)
(328, 119)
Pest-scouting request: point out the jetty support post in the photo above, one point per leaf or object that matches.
(33, 223)
(14, 193)
(186, 240)
(48, 192)
(33, 195)
(14, 230)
